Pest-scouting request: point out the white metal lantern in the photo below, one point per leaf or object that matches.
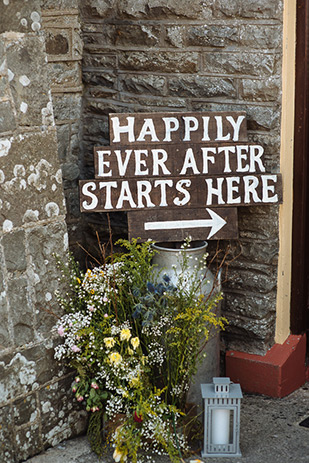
(221, 418)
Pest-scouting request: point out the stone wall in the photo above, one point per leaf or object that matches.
(153, 55)
(138, 56)
(36, 410)
(61, 25)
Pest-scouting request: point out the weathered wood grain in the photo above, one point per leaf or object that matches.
(164, 160)
(138, 219)
(177, 127)
(175, 192)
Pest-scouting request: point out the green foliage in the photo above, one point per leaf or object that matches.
(135, 340)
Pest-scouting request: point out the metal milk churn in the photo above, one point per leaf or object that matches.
(168, 260)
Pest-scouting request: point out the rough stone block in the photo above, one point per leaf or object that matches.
(17, 376)
(200, 86)
(96, 38)
(159, 61)
(98, 8)
(20, 312)
(105, 61)
(28, 441)
(59, 4)
(7, 442)
(260, 90)
(70, 171)
(132, 35)
(63, 35)
(260, 36)
(32, 183)
(63, 140)
(28, 70)
(258, 226)
(7, 117)
(101, 93)
(140, 84)
(5, 338)
(245, 63)
(65, 74)
(99, 79)
(42, 355)
(263, 117)
(75, 146)
(260, 251)
(77, 42)
(158, 9)
(252, 306)
(212, 36)
(270, 142)
(43, 243)
(96, 127)
(20, 16)
(3, 83)
(256, 9)
(243, 280)
(58, 42)
(95, 107)
(62, 416)
(72, 198)
(259, 118)
(67, 107)
(154, 103)
(248, 336)
(2, 56)
(25, 410)
(14, 251)
(176, 36)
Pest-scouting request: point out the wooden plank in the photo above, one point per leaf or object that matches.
(174, 127)
(175, 192)
(164, 160)
(300, 235)
(190, 220)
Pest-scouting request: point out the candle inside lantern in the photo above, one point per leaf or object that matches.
(220, 426)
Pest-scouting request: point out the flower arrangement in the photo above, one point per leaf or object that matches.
(135, 340)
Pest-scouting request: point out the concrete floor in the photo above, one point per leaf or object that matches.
(270, 433)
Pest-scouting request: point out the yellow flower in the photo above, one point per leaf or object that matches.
(115, 358)
(119, 456)
(109, 342)
(125, 334)
(130, 351)
(134, 382)
(78, 281)
(135, 342)
(92, 291)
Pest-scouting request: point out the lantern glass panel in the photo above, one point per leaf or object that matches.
(222, 426)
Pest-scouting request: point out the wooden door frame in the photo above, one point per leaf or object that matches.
(300, 238)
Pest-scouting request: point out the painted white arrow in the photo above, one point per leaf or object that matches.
(215, 223)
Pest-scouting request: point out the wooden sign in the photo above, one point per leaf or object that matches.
(163, 160)
(172, 171)
(175, 225)
(175, 192)
(171, 128)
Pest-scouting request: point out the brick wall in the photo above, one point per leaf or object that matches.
(195, 56)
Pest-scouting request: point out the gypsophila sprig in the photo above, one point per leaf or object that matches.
(135, 340)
